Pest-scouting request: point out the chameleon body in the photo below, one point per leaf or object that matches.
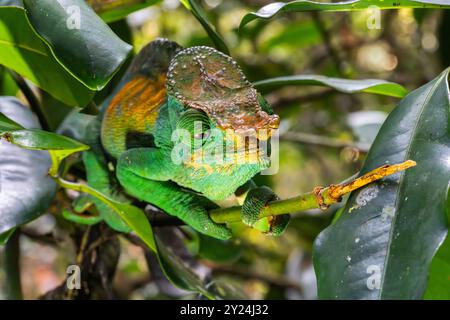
(167, 128)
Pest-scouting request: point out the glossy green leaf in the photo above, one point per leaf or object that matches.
(26, 190)
(8, 87)
(438, 287)
(58, 146)
(24, 52)
(439, 279)
(200, 15)
(375, 86)
(4, 237)
(79, 39)
(113, 10)
(179, 274)
(390, 230)
(274, 8)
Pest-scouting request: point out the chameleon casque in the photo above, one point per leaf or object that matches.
(203, 92)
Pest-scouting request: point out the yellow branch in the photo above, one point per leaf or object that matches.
(318, 198)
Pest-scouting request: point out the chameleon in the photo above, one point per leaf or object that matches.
(172, 107)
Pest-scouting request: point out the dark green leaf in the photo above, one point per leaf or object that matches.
(4, 237)
(200, 15)
(438, 281)
(79, 39)
(381, 87)
(26, 190)
(438, 287)
(24, 52)
(115, 10)
(390, 230)
(272, 9)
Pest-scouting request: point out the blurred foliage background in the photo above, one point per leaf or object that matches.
(324, 136)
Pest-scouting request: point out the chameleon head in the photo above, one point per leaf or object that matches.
(216, 94)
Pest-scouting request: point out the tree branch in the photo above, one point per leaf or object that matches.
(322, 141)
(318, 198)
(33, 101)
(12, 267)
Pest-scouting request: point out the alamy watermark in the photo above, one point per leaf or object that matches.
(74, 19)
(373, 17)
(73, 281)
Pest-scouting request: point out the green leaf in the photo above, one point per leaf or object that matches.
(26, 190)
(178, 273)
(8, 87)
(390, 230)
(115, 10)
(439, 279)
(200, 15)
(67, 27)
(58, 146)
(438, 287)
(4, 237)
(22, 51)
(272, 9)
(375, 86)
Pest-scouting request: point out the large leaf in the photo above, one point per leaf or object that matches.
(438, 287)
(344, 85)
(200, 15)
(439, 278)
(113, 10)
(79, 39)
(26, 190)
(24, 52)
(390, 230)
(272, 9)
(42, 37)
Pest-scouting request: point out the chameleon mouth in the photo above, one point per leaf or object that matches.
(206, 79)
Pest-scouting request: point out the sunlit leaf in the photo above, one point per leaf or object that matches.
(375, 86)
(274, 8)
(113, 10)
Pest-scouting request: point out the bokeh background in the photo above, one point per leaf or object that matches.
(324, 138)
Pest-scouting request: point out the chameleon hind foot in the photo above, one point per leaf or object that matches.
(254, 203)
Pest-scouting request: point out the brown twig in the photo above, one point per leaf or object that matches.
(316, 140)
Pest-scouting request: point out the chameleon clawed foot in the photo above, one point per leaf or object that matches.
(254, 203)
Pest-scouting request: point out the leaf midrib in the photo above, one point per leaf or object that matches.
(23, 46)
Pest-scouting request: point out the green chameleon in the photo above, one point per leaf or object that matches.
(173, 107)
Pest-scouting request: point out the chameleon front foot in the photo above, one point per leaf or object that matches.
(254, 203)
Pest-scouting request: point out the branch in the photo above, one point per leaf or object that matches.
(245, 273)
(33, 101)
(12, 267)
(318, 198)
(278, 102)
(322, 141)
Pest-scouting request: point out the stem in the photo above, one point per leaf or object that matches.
(318, 198)
(322, 141)
(12, 267)
(33, 101)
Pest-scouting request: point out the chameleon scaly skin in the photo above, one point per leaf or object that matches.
(203, 94)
